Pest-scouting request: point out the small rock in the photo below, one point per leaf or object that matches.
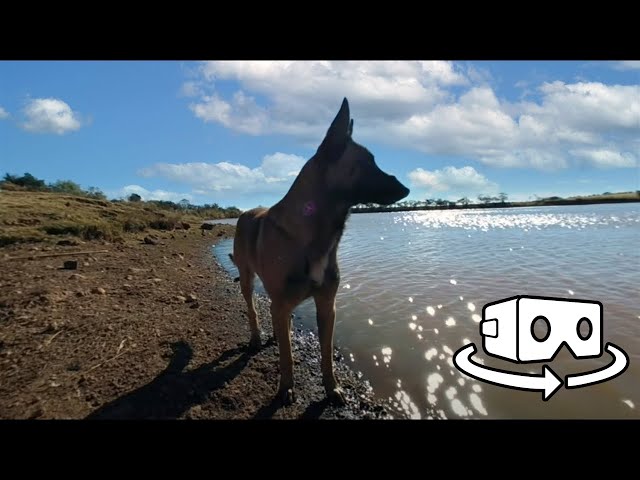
(182, 269)
(195, 305)
(156, 280)
(34, 249)
(99, 290)
(180, 298)
(191, 298)
(86, 264)
(77, 276)
(189, 265)
(150, 241)
(67, 243)
(70, 265)
(135, 270)
(38, 412)
(80, 293)
(129, 277)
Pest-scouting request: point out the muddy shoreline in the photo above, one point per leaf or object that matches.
(154, 330)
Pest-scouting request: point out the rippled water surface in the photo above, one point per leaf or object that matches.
(414, 285)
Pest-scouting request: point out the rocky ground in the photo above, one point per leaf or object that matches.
(151, 329)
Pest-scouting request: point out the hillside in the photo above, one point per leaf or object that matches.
(48, 217)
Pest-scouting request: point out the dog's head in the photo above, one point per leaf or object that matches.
(351, 170)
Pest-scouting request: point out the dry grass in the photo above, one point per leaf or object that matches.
(44, 216)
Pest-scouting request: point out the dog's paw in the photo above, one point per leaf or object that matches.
(336, 397)
(287, 396)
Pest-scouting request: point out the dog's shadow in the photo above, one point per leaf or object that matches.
(175, 391)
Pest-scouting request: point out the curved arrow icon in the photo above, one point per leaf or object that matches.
(548, 383)
(615, 368)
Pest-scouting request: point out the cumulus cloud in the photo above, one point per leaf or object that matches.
(433, 107)
(604, 158)
(299, 98)
(124, 192)
(3, 113)
(462, 181)
(274, 175)
(50, 115)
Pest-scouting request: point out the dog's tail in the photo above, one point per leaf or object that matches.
(237, 279)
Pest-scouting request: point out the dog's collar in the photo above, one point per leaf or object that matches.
(309, 209)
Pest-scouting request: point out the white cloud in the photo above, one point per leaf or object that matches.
(190, 89)
(301, 99)
(604, 158)
(3, 114)
(274, 175)
(124, 192)
(627, 65)
(461, 181)
(414, 105)
(50, 115)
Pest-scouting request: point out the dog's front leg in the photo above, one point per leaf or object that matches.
(326, 317)
(281, 318)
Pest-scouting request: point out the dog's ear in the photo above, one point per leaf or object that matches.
(339, 131)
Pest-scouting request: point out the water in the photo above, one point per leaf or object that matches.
(414, 284)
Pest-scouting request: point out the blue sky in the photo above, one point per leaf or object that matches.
(236, 133)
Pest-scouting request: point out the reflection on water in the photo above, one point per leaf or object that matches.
(414, 285)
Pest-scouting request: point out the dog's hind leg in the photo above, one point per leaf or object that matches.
(326, 317)
(281, 316)
(247, 278)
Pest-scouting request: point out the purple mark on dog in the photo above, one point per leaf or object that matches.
(309, 208)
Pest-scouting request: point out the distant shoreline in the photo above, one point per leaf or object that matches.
(475, 206)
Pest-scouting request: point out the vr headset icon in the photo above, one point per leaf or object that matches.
(527, 329)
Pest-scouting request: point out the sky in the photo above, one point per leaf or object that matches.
(237, 133)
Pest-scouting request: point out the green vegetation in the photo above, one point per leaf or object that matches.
(31, 211)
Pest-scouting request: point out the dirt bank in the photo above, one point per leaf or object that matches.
(143, 330)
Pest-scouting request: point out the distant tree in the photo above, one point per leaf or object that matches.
(464, 201)
(441, 202)
(27, 181)
(134, 197)
(503, 197)
(184, 203)
(96, 193)
(67, 186)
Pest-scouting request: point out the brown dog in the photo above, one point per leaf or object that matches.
(292, 246)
